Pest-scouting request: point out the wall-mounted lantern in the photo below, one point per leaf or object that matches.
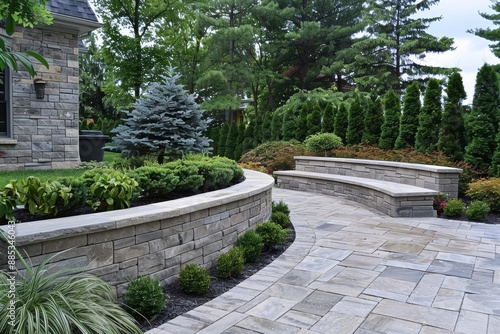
(39, 88)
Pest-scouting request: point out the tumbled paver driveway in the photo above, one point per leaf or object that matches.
(352, 270)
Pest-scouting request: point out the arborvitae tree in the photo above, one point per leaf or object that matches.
(314, 121)
(257, 131)
(213, 134)
(266, 127)
(429, 119)
(494, 170)
(289, 125)
(390, 128)
(238, 151)
(167, 120)
(223, 134)
(301, 130)
(276, 126)
(328, 119)
(341, 122)
(409, 119)
(248, 141)
(232, 140)
(355, 122)
(452, 134)
(374, 119)
(481, 123)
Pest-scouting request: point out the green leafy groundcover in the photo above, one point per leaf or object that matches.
(106, 187)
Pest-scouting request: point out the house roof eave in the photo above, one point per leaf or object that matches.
(83, 26)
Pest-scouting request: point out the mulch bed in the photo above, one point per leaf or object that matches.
(180, 302)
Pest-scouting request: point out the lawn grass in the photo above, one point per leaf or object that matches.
(49, 174)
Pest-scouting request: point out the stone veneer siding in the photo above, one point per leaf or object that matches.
(45, 132)
(443, 179)
(157, 239)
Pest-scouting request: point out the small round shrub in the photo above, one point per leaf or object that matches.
(322, 142)
(281, 207)
(271, 234)
(145, 296)
(439, 202)
(230, 264)
(281, 219)
(477, 211)
(194, 279)
(251, 244)
(486, 190)
(454, 208)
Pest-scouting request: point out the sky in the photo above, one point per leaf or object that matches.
(471, 51)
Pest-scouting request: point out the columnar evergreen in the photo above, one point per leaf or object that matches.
(429, 119)
(223, 134)
(232, 140)
(452, 134)
(328, 119)
(248, 141)
(355, 122)
(409, 119)
(314, 120)
(301, 130)
(166, 121)
(257, 131)
(390, 128)
(276, 126)
(238, 151)
(482, 122)
(289, 125)
(374, 119)
(266, 127)
(495, 162)
(341, 121)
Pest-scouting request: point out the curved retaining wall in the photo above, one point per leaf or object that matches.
(156, 239)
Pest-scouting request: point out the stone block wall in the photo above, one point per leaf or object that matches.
(156, 240)
(443, 179)
(45, 132)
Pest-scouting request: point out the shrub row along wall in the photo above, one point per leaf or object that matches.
(157, 239)
(443, 179)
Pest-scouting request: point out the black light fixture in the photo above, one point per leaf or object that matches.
(39, 88)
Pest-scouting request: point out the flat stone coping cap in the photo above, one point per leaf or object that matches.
(42, 230)
(390, 188)
(397, 164)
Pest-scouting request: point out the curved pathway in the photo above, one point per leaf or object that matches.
(351, 270)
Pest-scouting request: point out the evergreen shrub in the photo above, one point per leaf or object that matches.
(322, 142)
(251, 244)
(281, 219)
(145, 297)
(271, 233)
(454, 208)
(155, 180)
(477, 211)
(280, 207)
(230, 264)
(194, 279)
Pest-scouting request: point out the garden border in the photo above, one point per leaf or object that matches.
(156, 239)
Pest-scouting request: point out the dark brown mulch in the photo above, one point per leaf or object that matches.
(180, 302)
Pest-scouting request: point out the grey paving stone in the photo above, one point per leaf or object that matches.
(318, 302)
(331, 253)
(260, 325)
(382, 324)
(481, 303)
(493, 324)
(334, 322)
(391, 288)
(299, 319)
(449, 299)
(403, 247)
(272, 308)
(288, 292)
(472, 322)
(451, 268)
(316, 264)
(354, 306)
(456, 257)
(357, 260)
(416, 313)
(403, 274)
(223, 324)
(299, 277)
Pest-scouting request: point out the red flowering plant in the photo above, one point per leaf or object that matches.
(440, 202)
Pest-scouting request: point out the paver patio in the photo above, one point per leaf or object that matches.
(352, 270)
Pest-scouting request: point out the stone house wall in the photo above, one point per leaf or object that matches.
(45, 131)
